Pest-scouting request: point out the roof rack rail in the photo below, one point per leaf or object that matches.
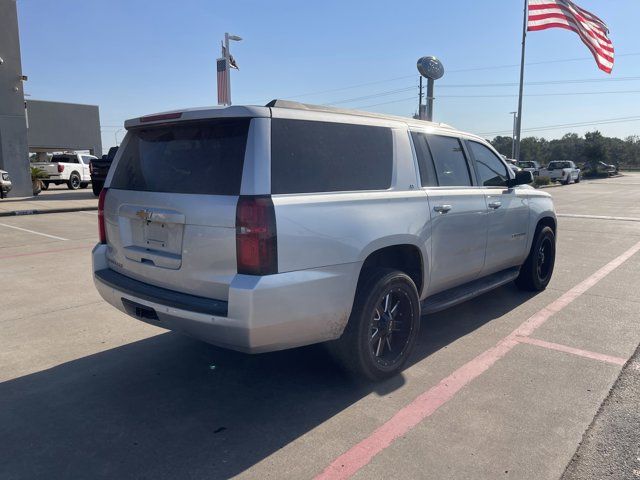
(325, 108)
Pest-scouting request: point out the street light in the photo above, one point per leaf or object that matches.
(227, 55)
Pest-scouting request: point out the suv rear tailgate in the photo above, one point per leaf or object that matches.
(171, 205)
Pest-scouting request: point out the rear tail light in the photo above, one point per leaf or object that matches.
(60, 168)
(256, 238)
(101, 230)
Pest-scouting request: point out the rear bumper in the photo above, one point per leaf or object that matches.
(262, 314)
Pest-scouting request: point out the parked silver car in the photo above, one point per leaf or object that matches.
(265, 228)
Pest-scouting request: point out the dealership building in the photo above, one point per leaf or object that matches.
(35, 126)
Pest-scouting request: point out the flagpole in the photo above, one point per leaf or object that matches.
(519, 118)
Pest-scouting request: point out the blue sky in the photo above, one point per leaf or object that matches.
(134, 57)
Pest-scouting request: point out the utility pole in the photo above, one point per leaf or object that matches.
(513, 134)
(519, 118)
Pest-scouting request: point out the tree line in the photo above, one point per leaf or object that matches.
(590, 149)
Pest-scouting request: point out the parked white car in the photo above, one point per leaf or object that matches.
(265, 228)
(69, 168)
(563, 171)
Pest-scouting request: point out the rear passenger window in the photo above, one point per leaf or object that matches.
(451, 165)
(425, 160)
(491, 171)
(309, 157)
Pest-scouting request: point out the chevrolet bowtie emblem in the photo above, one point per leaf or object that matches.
(144, 214)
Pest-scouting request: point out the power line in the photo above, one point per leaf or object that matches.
(569, 125)
(554, 94)
(488, 85)
(473, 69)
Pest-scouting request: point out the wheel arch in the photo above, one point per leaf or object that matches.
(405, 256)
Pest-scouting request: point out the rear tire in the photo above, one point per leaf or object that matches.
(97, 187)
(45, 185)
(84, 184)
(383, 325)
(74, 181)
(536, 271)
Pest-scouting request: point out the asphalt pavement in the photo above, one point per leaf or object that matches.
(508, 385)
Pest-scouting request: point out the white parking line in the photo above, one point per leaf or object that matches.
(599, 217)
(31, 231)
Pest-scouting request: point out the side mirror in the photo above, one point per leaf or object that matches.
(523, 177)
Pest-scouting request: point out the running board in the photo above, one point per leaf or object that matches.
(456, 295)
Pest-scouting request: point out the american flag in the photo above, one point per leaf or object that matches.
(565, 14)
(223, 78)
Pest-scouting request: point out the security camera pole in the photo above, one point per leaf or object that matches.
(432, 69)
(224, 65)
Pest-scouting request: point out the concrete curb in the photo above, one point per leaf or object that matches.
(17, 213)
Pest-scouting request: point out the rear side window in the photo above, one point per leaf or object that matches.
(491, 171)
(451, 165)
(309, 157)
(200, 158)
(425, 160)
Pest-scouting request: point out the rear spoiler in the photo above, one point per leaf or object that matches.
(198, 114)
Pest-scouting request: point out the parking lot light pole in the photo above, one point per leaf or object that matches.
(227, 54)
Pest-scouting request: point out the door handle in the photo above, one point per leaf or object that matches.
(495, 205)
(442, 208)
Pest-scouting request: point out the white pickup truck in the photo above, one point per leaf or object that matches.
(563, 171)
(69, 168)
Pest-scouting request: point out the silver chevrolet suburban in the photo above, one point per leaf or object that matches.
(264, 228)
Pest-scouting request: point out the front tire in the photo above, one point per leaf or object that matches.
(536, 271)
(383, 325)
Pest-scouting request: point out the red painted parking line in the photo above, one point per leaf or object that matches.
(43, 252)
(350, 462)
(574, 351)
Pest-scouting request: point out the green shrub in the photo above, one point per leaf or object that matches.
(594, 174)
(539, 181)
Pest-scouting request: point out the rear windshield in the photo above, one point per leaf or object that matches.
(199, 158)
(64, 158)
(553, 165)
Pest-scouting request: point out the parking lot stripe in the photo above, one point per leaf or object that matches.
(31, 231)
(574, 351)
(16, 255)
(598, 217)
(358, 456)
